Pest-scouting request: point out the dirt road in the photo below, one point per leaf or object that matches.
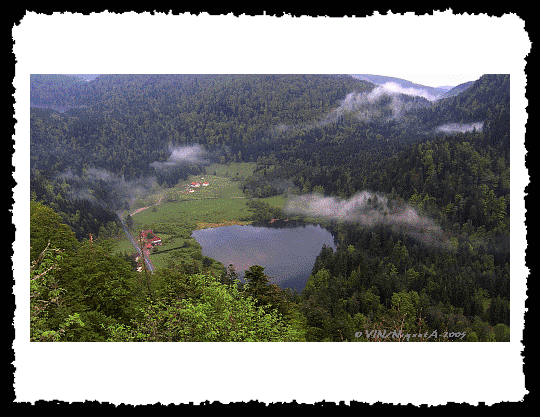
(146, 254)
(144, 208)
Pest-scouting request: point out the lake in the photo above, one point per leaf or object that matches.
(286, 251)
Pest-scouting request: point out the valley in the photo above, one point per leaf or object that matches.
(381, 203)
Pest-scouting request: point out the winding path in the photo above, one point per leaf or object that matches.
(144, 208)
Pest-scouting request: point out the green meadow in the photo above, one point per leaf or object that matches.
(218, 187)
(190, 212)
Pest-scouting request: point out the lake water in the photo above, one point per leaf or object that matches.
(286, 251)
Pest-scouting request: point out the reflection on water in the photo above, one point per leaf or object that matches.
(287, 254)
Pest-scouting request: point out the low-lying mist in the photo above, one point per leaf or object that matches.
(181, 155)
(460, 127)
(386, 102)
(104, 188)
(109, 190)
(371, 210)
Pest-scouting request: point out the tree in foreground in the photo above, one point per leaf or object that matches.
(45, 295)
(201, 309)
(46, 227)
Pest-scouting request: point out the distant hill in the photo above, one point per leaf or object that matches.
(57, 90)
(486, 100)
(457, 89)
(382, 79)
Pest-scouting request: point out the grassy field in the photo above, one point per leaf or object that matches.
(219, 187)
(123, 245)
(193, 211)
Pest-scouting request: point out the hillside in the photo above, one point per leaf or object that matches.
(316, 129)
(436, 92)
(454, 91)
(57, 90)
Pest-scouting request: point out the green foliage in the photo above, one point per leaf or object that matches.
(502, 333)
(97, 280)
(208, 311)
(47, 227)
(45, 294)
(264, 293)
(407, 303)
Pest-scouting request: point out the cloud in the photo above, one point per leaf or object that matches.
(385, 102)
(370, 210)
(460, 127)
(104, 188)
(395, 89)
(182, 155)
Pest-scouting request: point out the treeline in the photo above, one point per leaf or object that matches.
(462, 290)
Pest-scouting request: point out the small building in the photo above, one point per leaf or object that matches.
(205, 184)
(145, 233)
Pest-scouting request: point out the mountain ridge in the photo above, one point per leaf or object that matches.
(458, 89)
(383, 79)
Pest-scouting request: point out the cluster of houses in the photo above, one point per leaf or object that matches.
(149, 240)
(193, 185)
(199, 184)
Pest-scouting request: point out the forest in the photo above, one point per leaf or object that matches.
(97, 146)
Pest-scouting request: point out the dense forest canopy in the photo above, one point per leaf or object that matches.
(319, 140)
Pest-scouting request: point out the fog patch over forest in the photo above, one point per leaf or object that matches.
(194, 154)
(394, 89)
(104, 188)
(460, 127)
(371, 210)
